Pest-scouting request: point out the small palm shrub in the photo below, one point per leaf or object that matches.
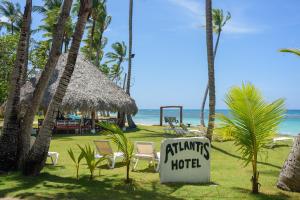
(91, 161)
(223, 133)
(76, 161)
(253, 123)
(124, 145)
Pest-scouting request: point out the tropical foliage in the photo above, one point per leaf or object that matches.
(8, 45)
(76, 161)
(292, 51)
(91, 161)
(253, 123)
(122, 142)
(12, 15)
(117, 57)
(50, 10)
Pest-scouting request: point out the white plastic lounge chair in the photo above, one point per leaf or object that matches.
(278, 139)
(193, 131)
(52, 155)
(146, 151)
(105, 150)
(172, 128)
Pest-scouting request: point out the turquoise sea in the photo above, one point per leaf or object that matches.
(290, 125)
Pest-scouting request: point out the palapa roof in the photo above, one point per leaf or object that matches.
(88, 90)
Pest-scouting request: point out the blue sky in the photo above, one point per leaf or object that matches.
(170, 66)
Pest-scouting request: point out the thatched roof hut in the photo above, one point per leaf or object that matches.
(88, 90)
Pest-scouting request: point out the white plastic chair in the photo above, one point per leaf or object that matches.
(52, 155)
(104, 149)
(146, 151)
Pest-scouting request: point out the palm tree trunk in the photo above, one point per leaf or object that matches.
(92, 39)
(66, 45)
(44, 79)
(206, 89)
(289, 178)
(11, 130)
(211, 72)
(12, 28)
(38, 154)
(254, 178)
(131, 123)
(99, 46)
(127, 172)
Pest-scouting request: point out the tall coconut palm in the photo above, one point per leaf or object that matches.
(131, 123)
(103, 22)
(118, 56)
(13, 14)
(38, 154)
(96, 9)
(219, 21)
(46, 74)
(9, 140)
(252, 122)
(95, 54)
(211, 69)
(50, 10)
(289, 178)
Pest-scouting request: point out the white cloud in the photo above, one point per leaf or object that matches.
(191, 6)
(196, 10)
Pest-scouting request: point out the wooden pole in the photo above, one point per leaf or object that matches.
(180, 114)
(161, 116)
(93, 120)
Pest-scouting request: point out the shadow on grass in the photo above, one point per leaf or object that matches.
(262, 196)
(239, 157)
(48, 186)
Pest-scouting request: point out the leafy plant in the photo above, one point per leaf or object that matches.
(225, 133)
(253, 123)
(90, 159)
(76, 161)
(124, 145)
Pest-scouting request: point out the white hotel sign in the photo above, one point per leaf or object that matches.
(185, 160)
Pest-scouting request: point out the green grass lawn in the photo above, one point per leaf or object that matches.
(229, 180)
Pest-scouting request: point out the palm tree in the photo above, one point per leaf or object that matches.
(253, 123)
(219, 21)
(122, 142)
(50, 10)
(103, 22)
(289, 178)
(9, 140)
(38, 154)
(96, 9)
(118, 56)
(211, 69)
(38, 93)
(13, 13)
(131, 123)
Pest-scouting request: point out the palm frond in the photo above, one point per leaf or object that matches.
(293, 51)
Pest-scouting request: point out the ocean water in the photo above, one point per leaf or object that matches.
(289, 126)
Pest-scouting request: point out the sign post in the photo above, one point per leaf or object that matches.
(185, 160)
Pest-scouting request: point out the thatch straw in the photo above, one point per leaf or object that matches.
(88, 90)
